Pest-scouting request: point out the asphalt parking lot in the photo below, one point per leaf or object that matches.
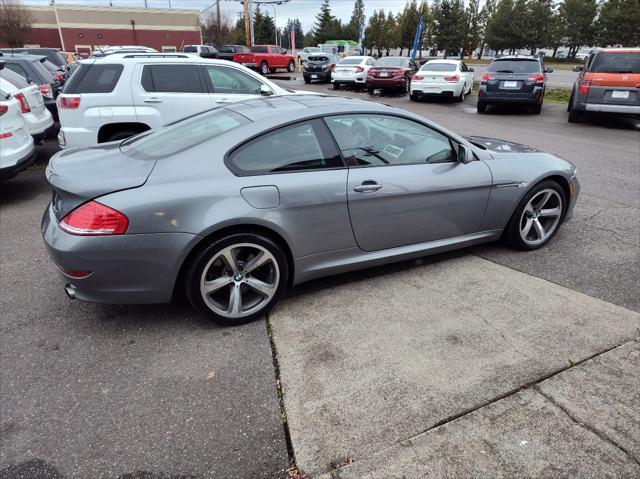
(403, 371)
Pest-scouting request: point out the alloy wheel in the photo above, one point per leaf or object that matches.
(239, 280)
(541, 216)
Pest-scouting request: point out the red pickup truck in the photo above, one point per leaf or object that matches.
(266, 58)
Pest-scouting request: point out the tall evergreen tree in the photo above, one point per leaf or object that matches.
(485, 14)
(498, 32)
(619, 23)
(352, 29)
(540, 24)
(448, 25)
(327, 27)
(407, 26)
(389, 35)
(471, 28)
(578, 19)
(373, 32)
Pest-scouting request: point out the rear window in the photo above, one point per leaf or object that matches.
(515, 66)
(94, 79)
(259, 49)
(439, 67)
(182, 135)
(390, 62)
(172, 79)
(12, 77)
(190, 49)
(350, 61)
(628, 62)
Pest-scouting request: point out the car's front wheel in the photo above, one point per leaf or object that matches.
(237, 278)
(291, 66)
(264, 68)
(482, 107)
(538, 216)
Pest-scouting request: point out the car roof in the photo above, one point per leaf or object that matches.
(618, 50)
(444, 60)
(135, 57)
(517, 57)
(301, 106)
(22, 56)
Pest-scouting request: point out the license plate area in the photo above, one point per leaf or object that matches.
(510, 84)
(619, 95)
(314, 76)
(384, 74)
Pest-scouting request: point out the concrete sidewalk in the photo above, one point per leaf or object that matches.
(435, 355)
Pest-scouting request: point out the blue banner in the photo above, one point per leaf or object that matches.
(416, 40)
(361, 35)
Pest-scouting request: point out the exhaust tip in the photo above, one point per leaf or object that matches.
(71, 291)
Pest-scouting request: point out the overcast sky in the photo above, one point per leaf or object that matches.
(305, 10)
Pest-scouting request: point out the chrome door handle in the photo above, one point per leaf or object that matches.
(152, 100)
(368, 186)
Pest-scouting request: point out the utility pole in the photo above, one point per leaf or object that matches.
(247, 23)
(218, 22)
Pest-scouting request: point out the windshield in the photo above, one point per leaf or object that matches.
(350, 61)
(439, 67)
(515, 66)
(182, 135)
(318, 59)
(390, 62)
(628, 62)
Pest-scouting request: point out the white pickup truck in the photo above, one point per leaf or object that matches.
(303, 54)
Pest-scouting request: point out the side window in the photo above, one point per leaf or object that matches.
(172, 79)
(378, 140)
(298, 147)
(231, 80)
(463, 67)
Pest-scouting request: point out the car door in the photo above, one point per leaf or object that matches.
(166, 92)
(464, 71)
(405, 185)
(298, 176)
(228, 84)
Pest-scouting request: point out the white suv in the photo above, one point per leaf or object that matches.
(118, 96)
(16, 145)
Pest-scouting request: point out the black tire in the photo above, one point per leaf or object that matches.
(574, 116)
(537, 109)
(370, 90)
(264, 68)
(121, 135)
(307, 80)
(202, 258)
(482, 107)
(336, 86)
(460, 97)
(291, 66)
(414, 97)
(512, 232)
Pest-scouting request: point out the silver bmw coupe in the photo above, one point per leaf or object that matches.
(235, 205)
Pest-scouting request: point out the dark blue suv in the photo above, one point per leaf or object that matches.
(513, 79)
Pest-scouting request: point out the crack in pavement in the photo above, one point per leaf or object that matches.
(531, 384)
(602, 435)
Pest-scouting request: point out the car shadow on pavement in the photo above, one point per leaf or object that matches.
(25, 186)
(618, 122)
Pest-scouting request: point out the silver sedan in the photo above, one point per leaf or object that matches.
(235, 205)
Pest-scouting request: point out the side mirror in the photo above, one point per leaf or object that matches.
(548, 70)
(265, 90)
(465, 154)
(471, 70)
(577, 69)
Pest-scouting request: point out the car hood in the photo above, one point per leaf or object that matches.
(495, 145)
(81, 174)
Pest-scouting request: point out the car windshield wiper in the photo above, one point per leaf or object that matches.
(504, 71)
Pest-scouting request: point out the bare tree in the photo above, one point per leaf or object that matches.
(15, 23)
(216, 30)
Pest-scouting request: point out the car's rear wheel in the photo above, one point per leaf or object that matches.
(370, 90)
(537, 109)
(407, 87)
(537, 218)
(574, 116)
(336, 85)
(482, 107)
(413, 97)
(307, 80)
(264, 68)
(291, 66)
(237, 278)
(460, 97)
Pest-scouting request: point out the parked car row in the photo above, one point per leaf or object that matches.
(24, 120)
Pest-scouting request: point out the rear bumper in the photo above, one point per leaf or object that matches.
(531, 98)
(607, 108)
(72, 137)
(344, 80)
(47, 133)
(324, 76)
(436, 89)
(386, 82)
(249, 65)
(23, 163)
(125, 269)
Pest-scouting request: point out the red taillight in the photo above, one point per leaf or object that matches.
(24, 106)
(333, 68)
(45, 89)
(370, 72)
(74, 273)
(452, 78)
(93, 219)
(58, 76)
(3, 109)
(538, 78)
(488, 76)
(69, 102)
(417, 77)
(5, 135)
(359, 69)
(584, 87)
